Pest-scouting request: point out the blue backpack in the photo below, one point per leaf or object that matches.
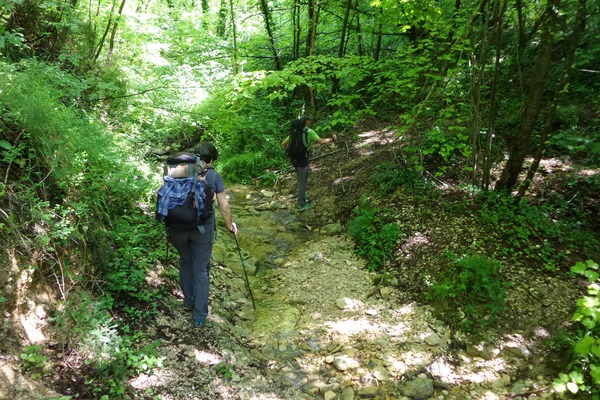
(184, 201)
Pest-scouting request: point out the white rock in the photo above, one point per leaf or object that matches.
(344, 363)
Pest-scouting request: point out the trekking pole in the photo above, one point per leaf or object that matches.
(245, 273)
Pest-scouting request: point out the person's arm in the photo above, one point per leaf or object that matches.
(226, 212)
(285, 143)
(327, 140)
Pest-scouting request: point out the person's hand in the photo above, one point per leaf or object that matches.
(233, 229)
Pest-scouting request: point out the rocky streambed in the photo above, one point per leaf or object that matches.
(321, 328)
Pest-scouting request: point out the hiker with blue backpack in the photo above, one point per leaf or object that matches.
(297, 146)
(185, 205)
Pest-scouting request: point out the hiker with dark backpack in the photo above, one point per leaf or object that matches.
(193, 232)
(297, 146)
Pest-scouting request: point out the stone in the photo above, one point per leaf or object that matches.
(344, 363)
(332, 229)
(380, 373)
(368, 391)
(347, 394)
(419, 388)
(385, 292)
(329, 395)
(267, 193)
(344, 303)
(433, 340)
(516, 350)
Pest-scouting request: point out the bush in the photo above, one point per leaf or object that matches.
(530, 232)
(583, 375)
(473, 283)
(388, 177)
(375, 235)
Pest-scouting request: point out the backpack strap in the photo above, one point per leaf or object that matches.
(194, 173)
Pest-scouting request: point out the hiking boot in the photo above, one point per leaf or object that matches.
(199, 323)
(303, 207)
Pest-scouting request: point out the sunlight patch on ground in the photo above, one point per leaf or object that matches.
(378, 137)
(418, 239)
(206, 358)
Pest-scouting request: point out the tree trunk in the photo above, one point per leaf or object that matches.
(234, 30)
(378, 42)
(549, 123)
(477, 76)
(268, 26)
(108, 25)
(312, 31)
(522, 144)
(342, 47)
(359, 31)
(492, 107)
(111, 43)
(296, 31)
(222, 24)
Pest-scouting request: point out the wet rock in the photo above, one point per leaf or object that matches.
(331, 387)
(380, 373)
(329, 395)
(368, 391)
(347, 394)
(419, 388)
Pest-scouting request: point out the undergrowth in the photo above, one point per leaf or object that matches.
(473, 284)
(375, 234)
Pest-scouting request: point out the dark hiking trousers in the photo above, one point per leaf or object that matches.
(195, 250)
(302, 168)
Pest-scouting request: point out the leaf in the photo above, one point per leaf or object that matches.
(578, 268)
(595, 373)
(5, 145)
(582, 347)
(559, 386)
(591, 275)
(573, 388)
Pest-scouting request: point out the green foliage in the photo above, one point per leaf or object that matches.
(531, 232)
(2, 298)
(224, 369)
(387, 177)
(121, 358)
(374, 234)
(33, 359)
(139, 243)
(583, 375)
(474, 284)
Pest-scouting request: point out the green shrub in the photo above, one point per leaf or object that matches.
(374, 233)
(583, 375)
(530, 232)
(33, 359)
(388, 177)
(474, 284)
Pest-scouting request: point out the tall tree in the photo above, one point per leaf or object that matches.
(344, 30)
(521, 145)
(111, 43)
(312, 30)
(234, 31)
(269, 28)
(550, 117)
